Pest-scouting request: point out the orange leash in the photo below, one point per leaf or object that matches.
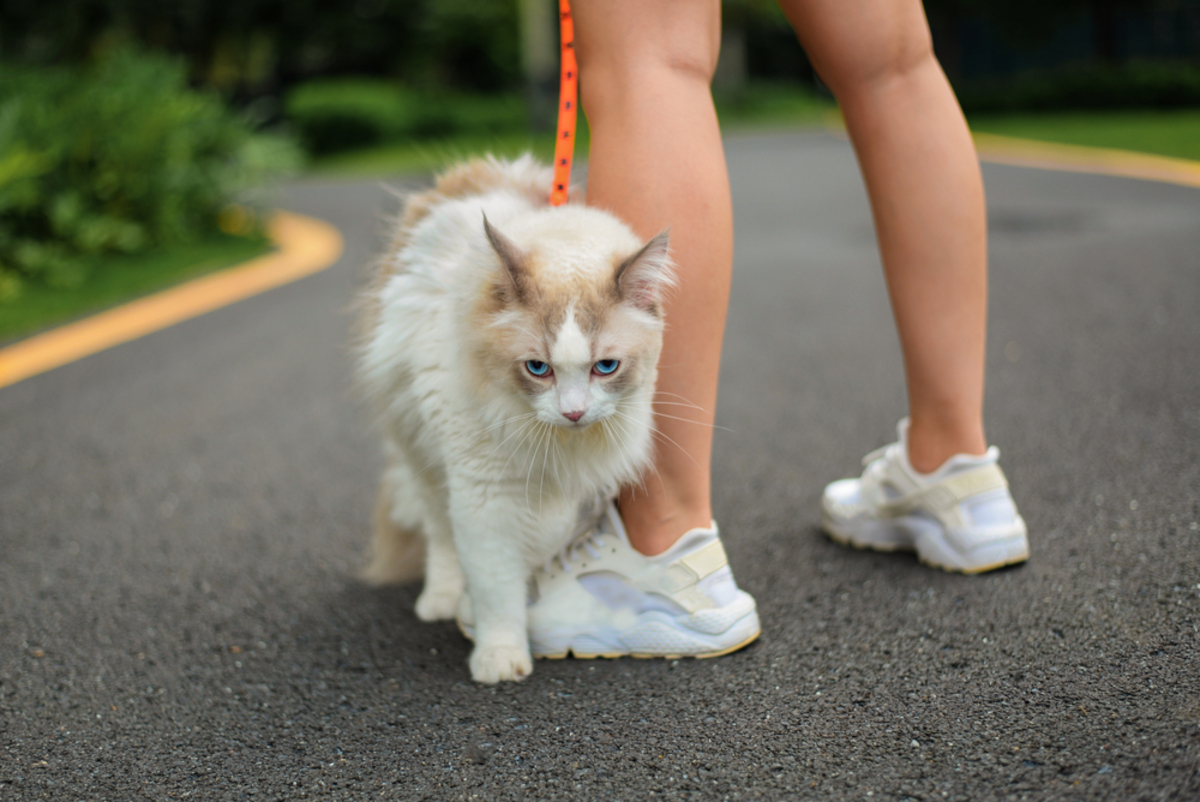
(568, 96)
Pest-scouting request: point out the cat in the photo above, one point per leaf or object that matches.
(510, 349)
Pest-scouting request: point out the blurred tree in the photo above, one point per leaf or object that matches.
(256, 46)
(1028, 24)
(539, 61)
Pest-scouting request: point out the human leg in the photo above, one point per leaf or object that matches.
(926, 192)
(653, 579)
(656, 161)
(939, 490)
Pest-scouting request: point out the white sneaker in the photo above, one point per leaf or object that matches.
(600, 597)
(961, 517)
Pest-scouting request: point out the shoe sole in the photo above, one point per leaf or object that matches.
(831, 530)
(583, 655)
(747, 623)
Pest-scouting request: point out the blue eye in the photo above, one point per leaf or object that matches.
(539, 369)
(606, 367)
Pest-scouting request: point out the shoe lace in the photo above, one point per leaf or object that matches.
(589, 542)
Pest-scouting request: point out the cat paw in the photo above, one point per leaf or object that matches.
(499, 663)
(437, 606)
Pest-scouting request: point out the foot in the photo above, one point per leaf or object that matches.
(601, 598)
(960, 517)
(500, 663)
(437, 604)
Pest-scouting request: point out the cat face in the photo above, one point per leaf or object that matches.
(577, 325)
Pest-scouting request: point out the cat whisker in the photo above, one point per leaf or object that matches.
(523, 415)
(685, 403)
(689, 420)
(523, 430)
(528, 429)
(662, 437)
(681, 400)
(620, 437)
(679, 404)
(543, 446)
(533, 453)
(545, 458)
(656, 432)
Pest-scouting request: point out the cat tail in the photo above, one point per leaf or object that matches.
(524, 176)
(398, 552)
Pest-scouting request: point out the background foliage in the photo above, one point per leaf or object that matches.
(258, 47)
(117, 156)
(105, 150)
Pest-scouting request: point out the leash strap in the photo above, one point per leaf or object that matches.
(568, 96)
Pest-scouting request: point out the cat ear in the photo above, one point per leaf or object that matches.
(644, 278)
(518, 284)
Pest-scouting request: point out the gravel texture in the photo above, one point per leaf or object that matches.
(181, 519)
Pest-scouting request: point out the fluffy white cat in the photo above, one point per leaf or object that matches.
(511, 350)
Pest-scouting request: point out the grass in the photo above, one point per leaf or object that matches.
(429, 156)
(760, 105)
(115, 279)
(1165, 133)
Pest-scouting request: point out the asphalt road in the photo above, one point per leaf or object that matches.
(181, 519)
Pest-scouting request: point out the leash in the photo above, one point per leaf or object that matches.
(568, 95)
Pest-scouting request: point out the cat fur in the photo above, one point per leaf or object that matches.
(487, 476)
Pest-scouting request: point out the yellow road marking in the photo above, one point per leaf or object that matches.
(1081, 159)
(1043, 155)
(306, 246)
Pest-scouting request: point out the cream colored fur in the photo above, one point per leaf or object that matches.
(486, 462)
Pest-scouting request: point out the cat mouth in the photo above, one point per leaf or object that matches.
(563, 422)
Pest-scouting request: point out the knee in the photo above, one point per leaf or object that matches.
(865, 65)
(634, 55)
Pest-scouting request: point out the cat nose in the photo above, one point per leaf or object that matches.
(574, 416)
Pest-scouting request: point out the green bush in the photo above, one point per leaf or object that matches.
(347, 113)
(1156, 85)
(119, 156)
(341, 114)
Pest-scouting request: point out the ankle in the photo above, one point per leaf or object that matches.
(655, 525)
(933, 441)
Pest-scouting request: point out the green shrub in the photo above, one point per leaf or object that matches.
(341, 114)
(347, 113)
(1157, 85)
(120, 156)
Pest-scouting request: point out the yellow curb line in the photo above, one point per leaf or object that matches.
(1082, 159)
(1043, 155)
(306, 246)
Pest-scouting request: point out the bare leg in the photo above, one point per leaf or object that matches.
(657, 161)
(922, 175)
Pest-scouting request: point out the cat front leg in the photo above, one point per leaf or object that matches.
(443, 575)
(496, 573)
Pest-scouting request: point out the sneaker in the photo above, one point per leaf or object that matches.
(961, 517)
(600, 597)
